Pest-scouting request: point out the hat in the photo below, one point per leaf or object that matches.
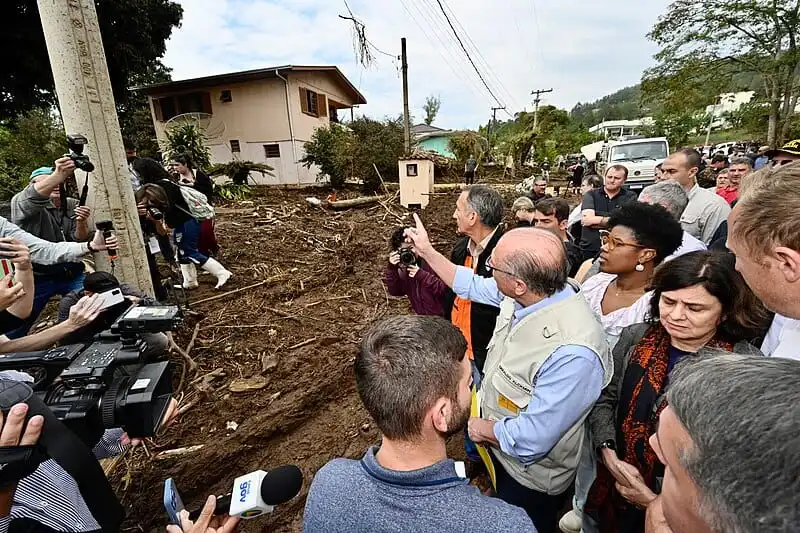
(100, 282)
(763, 149)
(791, 148)
(41, 171)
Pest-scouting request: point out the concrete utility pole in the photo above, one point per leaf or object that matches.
(492, 123)
(406, 118)
(536, 100)
(87, 106)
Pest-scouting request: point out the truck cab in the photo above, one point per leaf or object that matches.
(639, 155)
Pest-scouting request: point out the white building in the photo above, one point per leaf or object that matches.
(614, 129)
(727, 103)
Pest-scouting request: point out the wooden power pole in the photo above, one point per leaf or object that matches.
(87, 106)
(406, 118)
(536, 100)
(491, 125)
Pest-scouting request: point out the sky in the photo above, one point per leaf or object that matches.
(582, 50)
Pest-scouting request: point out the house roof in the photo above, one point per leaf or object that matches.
(249, 75)
(418, 129)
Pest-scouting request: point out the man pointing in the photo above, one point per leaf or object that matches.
(547, 363)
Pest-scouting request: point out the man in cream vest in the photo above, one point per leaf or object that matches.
(547, 362)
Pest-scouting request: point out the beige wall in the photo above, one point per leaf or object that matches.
(319, 82)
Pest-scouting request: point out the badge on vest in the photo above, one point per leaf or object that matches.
(505, 403)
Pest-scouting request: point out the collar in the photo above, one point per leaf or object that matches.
(441, 473)
(521, 312)
(693, 190)
(475, 250)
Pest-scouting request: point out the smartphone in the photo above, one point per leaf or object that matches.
(7, 268)
(172, 502)
(112, 297)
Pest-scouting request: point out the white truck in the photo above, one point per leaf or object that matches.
(639, 155)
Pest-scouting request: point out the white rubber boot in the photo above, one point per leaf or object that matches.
(570, 523)
(189, 276)
(213, 266)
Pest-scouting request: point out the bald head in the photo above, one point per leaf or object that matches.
(537, 257)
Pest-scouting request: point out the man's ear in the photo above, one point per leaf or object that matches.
(440, 414)
(788, 263)
(563, 225)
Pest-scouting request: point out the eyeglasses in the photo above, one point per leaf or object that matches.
(780, 162)
(490, 266)
(606, 239)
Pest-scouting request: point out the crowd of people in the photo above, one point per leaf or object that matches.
(630, 365)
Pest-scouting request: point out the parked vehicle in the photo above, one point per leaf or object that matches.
(639, 155)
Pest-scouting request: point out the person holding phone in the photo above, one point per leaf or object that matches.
(207, 522)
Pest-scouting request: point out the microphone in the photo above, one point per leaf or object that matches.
(256, 493)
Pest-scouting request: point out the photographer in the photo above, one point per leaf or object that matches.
(40, 210)
(99, 283)
(408, 275)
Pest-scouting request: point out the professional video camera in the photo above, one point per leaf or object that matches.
(407, 257)
(105, 383)
(76, 142)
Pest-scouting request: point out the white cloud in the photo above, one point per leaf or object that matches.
(583, 50)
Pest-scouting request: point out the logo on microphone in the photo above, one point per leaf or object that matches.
(244, 491)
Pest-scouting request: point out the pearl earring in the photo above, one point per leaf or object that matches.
(639, 267)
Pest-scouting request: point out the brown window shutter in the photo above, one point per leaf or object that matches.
(207, 102)
(157, 109)
(322, 102)
(303, 100)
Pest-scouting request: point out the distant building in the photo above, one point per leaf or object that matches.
(433, 139)
(614, 129)
(727, 103)
(263, 115)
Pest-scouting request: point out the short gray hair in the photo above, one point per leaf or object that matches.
(669, 194)
(404, 365)
(741, 161)
(523, 203)
(742, 416)
(487, 204)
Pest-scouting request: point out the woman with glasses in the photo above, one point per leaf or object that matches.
(698, 301)
(638, 238)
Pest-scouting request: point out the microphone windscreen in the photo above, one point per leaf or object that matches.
(281, 484)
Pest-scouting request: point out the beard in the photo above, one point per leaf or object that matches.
(457, 421)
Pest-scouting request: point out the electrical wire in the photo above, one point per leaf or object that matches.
(538, 35)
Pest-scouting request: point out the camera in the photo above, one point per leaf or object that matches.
(407, 257)
(76, 142)
(155, 213)
(105, 383)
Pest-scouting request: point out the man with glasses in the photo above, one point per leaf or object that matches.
(539, 191)
(786, 154)
(548, 360)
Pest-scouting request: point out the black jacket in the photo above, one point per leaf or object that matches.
(483, 316)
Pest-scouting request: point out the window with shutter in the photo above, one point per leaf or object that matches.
(303, 100)
(311, 102)
(272, 150)
(323, 105)
(235, 146)
(206, 102)
(157, 109)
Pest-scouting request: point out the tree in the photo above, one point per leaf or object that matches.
(467, 143)
(134, 35)
(189, 140)
(135, 119)
(711, 39)
(431, 108)
(676, 127)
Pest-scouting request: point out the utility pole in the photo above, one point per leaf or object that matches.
(87, 106)
(406, 119)
(536, 100)
(492, 123)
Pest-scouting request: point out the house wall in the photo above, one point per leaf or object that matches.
(257, 116)
(440, 145)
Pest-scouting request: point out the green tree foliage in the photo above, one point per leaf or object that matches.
(347, 150)
(187, 139)
(32, 140)
(467, 143)
(622, 105)
(135, 119)
(134, 35)
(431, 108)
(239, 173)
(704, 42)
(676, 127)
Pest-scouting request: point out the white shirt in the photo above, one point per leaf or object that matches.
(783, 338)
(575, 216)
(594, 289)
(690, 243)
(704, 213)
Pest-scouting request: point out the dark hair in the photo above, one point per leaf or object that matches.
(398, 238)
(623, 168)
(128, 143)
(149, 170)
(720, 158)
(404, 365)
(553, 206)
(154, 196)
(743, 315)
(652, 226)
(594, 180)
(693, 157)
(185, 160)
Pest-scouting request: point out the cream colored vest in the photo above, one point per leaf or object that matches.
(514, 357)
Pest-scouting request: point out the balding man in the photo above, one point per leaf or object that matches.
(763, 235)
(547, 363)
(706, 211)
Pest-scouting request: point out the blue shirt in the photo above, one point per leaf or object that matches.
(568, 383)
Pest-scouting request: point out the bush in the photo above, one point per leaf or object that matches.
(239, 171)
(187, 139)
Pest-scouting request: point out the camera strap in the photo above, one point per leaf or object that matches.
(72, 454)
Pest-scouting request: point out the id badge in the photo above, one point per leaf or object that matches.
(153, 244)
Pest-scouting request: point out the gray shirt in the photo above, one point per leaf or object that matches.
(35, 213)
(44, 252)
(350, 496)
(704, 214)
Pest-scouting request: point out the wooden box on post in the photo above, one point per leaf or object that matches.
(416, 182)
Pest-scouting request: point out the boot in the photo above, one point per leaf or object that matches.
(189, 276)
(213, 266)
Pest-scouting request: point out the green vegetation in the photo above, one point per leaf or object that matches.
(187, 139)
(239, 173)
(431, 108)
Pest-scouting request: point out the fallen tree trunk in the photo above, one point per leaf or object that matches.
(345, 204)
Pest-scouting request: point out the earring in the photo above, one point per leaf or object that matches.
(639, 267)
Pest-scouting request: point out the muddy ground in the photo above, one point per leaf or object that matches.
(294, 337)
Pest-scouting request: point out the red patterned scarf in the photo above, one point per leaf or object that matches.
(641, 388)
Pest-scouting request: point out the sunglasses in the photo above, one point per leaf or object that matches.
(611, 242)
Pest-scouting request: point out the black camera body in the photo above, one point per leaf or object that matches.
(106, 383)
(407, 257)
(76, 142)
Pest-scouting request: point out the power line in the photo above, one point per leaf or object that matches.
(538, 34)
(478, 72)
